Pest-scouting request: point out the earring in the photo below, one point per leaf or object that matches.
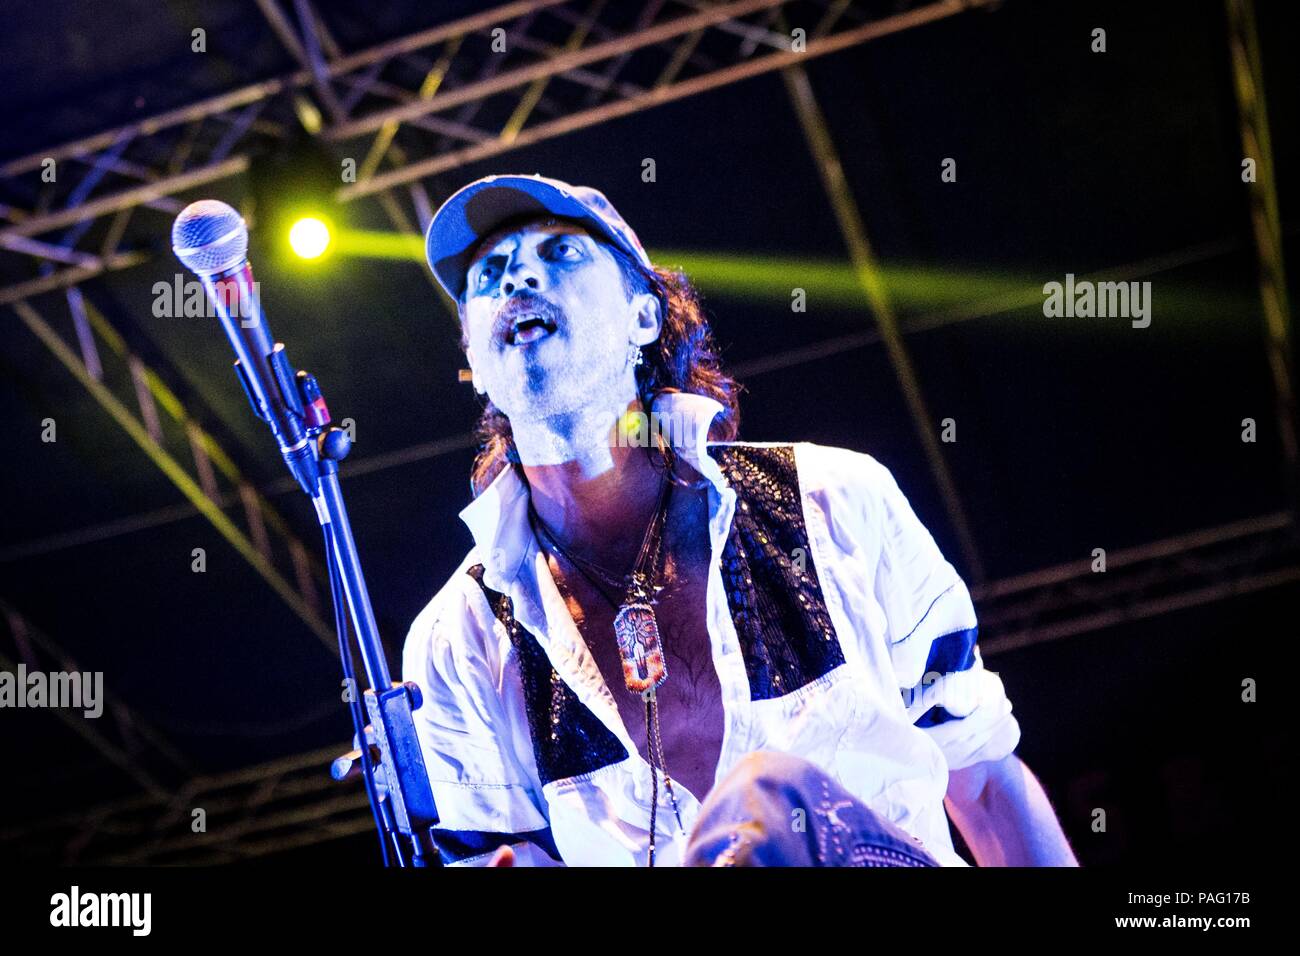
(634, 354)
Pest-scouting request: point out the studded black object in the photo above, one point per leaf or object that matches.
(786, 635)
(568, 739)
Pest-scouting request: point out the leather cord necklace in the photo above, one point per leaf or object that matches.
(636, 631)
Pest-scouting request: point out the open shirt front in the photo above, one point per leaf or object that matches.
(861, 658)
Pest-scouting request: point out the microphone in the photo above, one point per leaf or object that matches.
(211, 240)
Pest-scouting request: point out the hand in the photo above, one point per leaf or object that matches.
(504, 856)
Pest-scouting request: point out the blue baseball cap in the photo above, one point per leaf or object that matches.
(476, 210)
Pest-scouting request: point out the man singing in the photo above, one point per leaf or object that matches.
(668, 647)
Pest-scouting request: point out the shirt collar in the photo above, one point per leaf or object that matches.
(498, 517)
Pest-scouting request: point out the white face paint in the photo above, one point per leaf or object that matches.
(553, 380)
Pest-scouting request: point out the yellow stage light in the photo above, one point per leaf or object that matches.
(309, 238)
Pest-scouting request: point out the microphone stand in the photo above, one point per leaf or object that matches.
(387, 754)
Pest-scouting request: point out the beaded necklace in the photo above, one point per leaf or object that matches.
(636, 631)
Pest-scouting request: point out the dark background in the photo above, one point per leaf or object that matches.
(1073, 433)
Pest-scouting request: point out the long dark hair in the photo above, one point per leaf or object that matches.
(683, 359)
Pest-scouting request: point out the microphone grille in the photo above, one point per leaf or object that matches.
(209, 236)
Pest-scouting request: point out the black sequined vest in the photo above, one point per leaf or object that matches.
(776, 602)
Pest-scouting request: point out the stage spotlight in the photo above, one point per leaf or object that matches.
(309, 237)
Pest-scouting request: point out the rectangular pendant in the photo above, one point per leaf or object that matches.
(637, 633)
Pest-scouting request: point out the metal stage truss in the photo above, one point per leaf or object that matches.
(446, 95)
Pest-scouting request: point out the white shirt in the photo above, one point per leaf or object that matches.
(895, 604)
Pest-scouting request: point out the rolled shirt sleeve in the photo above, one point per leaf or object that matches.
(482, 794)
(932, 633)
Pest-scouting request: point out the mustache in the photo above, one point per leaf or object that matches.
(519, 304)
